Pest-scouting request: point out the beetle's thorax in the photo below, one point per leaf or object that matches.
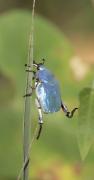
(44, 75)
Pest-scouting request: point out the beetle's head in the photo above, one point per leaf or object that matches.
(38, 65)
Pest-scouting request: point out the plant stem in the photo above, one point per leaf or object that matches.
(27, 108)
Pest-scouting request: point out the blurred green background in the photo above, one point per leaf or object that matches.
(64, 36)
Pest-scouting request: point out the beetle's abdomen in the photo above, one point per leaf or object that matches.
(49, 96)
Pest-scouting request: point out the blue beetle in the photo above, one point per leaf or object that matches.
(48, 96)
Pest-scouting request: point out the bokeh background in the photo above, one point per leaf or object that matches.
(64, 36)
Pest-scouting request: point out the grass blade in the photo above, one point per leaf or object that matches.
(27, 121)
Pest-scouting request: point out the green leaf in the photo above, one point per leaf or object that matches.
(85, 133)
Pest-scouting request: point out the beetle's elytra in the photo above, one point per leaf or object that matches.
(48, 97)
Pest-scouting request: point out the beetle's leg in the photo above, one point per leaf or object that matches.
(40, 117)
(34, 73)
(30, 94)
(29, 70)
(67, 113)
(43, 61)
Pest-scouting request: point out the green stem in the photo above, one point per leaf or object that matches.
(27, 108)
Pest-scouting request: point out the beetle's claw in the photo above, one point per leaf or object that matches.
(26, 65)
(70, 114)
